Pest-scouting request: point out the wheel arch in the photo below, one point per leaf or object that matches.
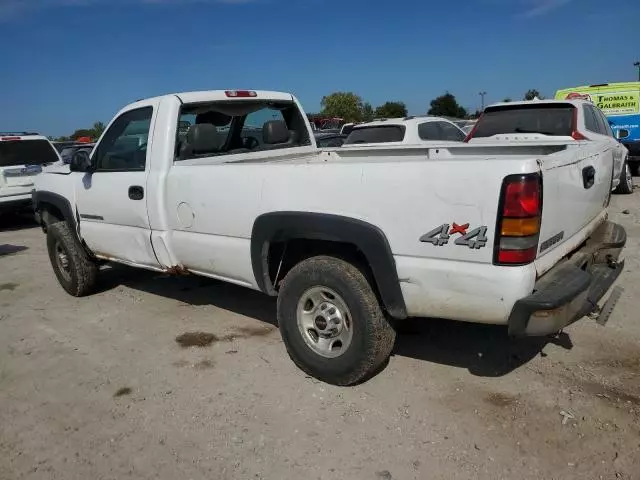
(44, 201)
(369, 240)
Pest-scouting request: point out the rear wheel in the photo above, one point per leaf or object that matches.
(331, 321)
(625, 186)
(76, 272)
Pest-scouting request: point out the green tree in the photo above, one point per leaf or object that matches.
(533, 93)
(391, 110)
(446, 106)
(507, 100)
(345, 105)
(367, 112)
(97, 129)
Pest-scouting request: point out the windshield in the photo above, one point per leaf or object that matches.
(376, 134)
(26, 152)
(547, 119)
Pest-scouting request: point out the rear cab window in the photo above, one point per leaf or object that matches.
(551, 119)
(376, 134)
(232, 127)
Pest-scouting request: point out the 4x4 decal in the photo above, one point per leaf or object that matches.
(439, 236)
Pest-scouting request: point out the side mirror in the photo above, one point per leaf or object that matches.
(80, 162)
(622, 133)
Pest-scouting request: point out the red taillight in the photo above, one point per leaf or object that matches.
(240, 93)
(575, 134)
(522, 198)
(510, 257)
(6, 139)
(517, 239)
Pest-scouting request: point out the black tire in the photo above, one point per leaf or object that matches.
(372, 336)
(625, 187)
(76, 272)
(634, 168)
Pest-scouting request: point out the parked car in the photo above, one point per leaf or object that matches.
(325, 140)
(620, 102)
(22, 155)
(67, 153)
(576, 123)
(348, 238)
(406, 131)
(59, 146)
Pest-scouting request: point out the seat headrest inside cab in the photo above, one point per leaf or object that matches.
(204, 137)
(275, 131)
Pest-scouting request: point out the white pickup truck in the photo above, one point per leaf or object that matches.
(347, 239)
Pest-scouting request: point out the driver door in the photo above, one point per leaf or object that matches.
(111, 201)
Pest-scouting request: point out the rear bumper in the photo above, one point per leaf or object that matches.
(573, 288)
(15, 202)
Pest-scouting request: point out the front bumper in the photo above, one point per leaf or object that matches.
(634, 149)
(573, 288)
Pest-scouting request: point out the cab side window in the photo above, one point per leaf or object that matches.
(450, 132)
(590, 121)
(124, 145)
(605, 121)
(429, 131)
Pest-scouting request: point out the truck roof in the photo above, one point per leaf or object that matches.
(574, 102)
(12, 136)
(407, 121)
(223, 95)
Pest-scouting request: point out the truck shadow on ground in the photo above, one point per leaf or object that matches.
(16, 221)
(192, 290)
(484, 350)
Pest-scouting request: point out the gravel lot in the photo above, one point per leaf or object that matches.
(100, 388)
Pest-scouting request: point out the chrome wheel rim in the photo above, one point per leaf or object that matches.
(62, 261)
(324, 321)
(627, 169)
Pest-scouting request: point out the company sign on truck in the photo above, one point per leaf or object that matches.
(620, 103)
(612, 99)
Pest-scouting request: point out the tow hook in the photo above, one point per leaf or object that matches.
(601, 314)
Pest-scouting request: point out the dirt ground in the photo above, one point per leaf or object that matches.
(110, 387)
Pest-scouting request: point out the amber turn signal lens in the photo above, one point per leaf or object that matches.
(520, 227)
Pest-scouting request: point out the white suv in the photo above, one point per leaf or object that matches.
(22, 156)
(406, 131)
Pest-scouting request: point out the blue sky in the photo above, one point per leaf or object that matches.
(68, 63)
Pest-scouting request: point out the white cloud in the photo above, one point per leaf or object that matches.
(538, 8)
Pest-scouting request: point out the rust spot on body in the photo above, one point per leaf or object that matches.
(177, 270)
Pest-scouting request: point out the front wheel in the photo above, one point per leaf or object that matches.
(76, 272)
(331, 322)
(625, 186)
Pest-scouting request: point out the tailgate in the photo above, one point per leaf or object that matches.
(576, 187)
(21, 159)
